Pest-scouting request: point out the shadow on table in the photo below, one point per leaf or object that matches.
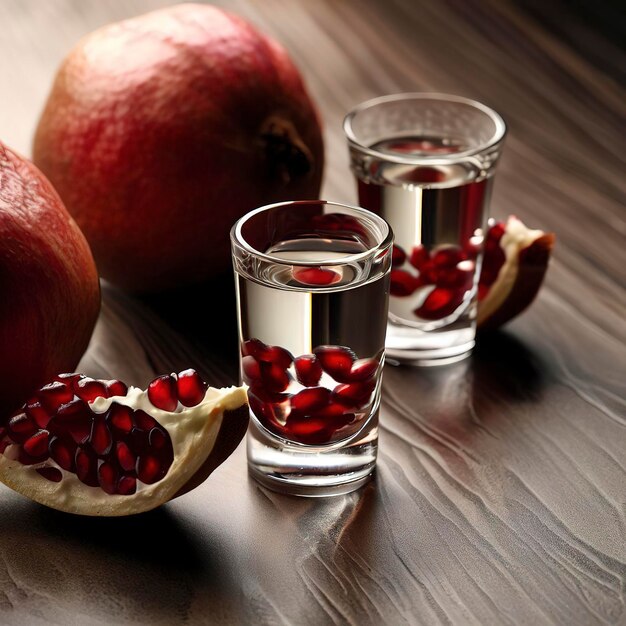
(506, 365)
(191, 326)
(142, 568)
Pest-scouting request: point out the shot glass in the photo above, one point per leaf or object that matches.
(312, 282)
(425, 163)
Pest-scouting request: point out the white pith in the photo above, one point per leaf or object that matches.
(516, 238)
(193, 432)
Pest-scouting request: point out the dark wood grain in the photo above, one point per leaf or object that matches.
(500, 496)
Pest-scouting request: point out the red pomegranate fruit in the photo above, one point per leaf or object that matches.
(95, 447)
(515, 263)
(160, 131)
(49, 290)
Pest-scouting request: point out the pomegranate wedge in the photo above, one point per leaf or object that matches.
(515, 263)
(94, 447)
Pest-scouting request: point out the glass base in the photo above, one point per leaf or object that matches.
(312, 471)
(406, 345)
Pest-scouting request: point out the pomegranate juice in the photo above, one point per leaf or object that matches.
(437, 213)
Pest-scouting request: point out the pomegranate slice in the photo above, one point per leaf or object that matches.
(94, 453)
(515, 263)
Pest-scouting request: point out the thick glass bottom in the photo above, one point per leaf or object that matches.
(407, 345)
(312, 471)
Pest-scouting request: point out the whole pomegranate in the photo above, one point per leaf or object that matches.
(160, 131)
(50, 295)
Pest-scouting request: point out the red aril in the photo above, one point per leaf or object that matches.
(190, 388)
(163, 393)
(402, 283)
(121, 454)
(354, 395)
(308, 370)
(398, 256)
(310, 400)
(274, 378)
(316, 276)
(336, 361)
(363, 369)
(440, 303)
(419, 256)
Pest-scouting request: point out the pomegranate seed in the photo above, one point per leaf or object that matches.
(50, 473)
(439, 303)
(253, 347)
(460, 277)
(149, 469)
(53, 395)
(354, 395)
(335, 360)
(448, 257)
(264, 353)
(87, 467)
(37, 445)
(88, 389)
(316, 276)
(330, 411)
(38, 414)
(267, 396)
(107, 477)
(162, 393)
(398, 256)
(402, 283)
(419, 256)
(120, 418)
(138, 441)
(274, 378)
(277, 356)
(63, 453)
(115, 388)
(483, 290)
(428, 273)
(251, 369)
(363, 369)
(309, 400)
(308, 430)
(125, 457)
(21, 427)
(191, 388)
(496, 231)
(157, 439)
(100, 438)
(144, 421)
(73, 418)
(127, 485)
(308, 370)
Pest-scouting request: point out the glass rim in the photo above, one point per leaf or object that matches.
(495, 139)
(237, 238)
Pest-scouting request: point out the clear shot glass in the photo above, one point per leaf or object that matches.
(312, 283)
(425, 163)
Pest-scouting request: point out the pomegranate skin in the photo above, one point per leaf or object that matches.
(48, 280)
(162, 130)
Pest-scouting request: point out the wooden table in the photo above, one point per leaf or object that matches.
(501, 486)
